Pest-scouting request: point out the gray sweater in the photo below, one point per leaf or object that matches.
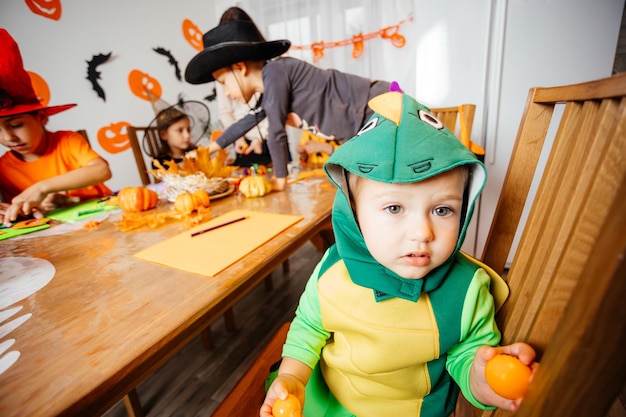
(334, 101)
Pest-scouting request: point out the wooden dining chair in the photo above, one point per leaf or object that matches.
(149, 136)
(460, 120)
(568, 276)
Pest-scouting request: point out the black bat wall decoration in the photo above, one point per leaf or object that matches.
(93, 75)
(211, 96)
(171, 60)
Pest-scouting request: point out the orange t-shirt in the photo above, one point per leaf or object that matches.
(66, 152)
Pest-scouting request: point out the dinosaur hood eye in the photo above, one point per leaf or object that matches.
(371, 124)
(430, 119)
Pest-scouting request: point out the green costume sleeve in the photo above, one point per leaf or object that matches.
(306, 335)
(478, 328)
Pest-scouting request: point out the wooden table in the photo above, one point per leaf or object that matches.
(107, 320)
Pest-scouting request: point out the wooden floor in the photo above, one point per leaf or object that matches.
(195, 380)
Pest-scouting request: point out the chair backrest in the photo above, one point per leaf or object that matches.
(567, 278)
(459, 120)
(150, 137)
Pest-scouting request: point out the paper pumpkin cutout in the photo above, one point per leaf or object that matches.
(50, 9)
(114, 137)
(40, 86)
(144, 86)
(192, 34)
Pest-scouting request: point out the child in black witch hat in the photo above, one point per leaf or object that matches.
(236, 56)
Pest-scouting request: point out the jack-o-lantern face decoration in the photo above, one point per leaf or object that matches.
(50, 9)
(41, 87)
(114, 138)
(192, 34)
(144, 86)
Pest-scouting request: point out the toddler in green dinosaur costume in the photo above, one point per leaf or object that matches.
(395, 318)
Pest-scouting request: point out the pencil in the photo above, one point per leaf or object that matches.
(86, 212)
(218, 226)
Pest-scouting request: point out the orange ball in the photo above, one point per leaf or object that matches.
(289, 407)
(507, 376)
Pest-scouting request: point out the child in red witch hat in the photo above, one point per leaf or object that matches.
(42, 170)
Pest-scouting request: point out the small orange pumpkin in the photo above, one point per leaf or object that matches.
(201, 199)
(136, 199)
(188, 202)
(184, 203)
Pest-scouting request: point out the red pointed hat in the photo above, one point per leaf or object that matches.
(17, 94)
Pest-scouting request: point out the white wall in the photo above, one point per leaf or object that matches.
(492, 52)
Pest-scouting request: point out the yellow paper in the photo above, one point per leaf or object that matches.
(213, 251)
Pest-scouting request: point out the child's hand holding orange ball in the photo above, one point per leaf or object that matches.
(507, 376)
(289, 407)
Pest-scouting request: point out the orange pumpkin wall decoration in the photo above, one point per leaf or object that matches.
(144, 86)
(40, 86)
(114, 137)
(50, 9)
(193, 34)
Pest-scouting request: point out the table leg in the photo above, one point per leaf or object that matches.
(133, 405)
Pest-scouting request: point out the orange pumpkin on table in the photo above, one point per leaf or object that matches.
(188, 202)
(136, 199)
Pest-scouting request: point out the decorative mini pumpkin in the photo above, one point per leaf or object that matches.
(188, 202)
(255, 186)
(136, 199)
(201, 199)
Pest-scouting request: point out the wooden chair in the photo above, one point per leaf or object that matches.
(459, 120)
(153, 142)
(568, 276)
(246, 397)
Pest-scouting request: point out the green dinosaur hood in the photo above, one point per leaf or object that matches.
(401, 143)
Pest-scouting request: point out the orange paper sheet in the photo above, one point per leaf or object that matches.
(212, 252)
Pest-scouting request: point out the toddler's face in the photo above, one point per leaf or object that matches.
(178, 136)
(411, 228)
(23, 133)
